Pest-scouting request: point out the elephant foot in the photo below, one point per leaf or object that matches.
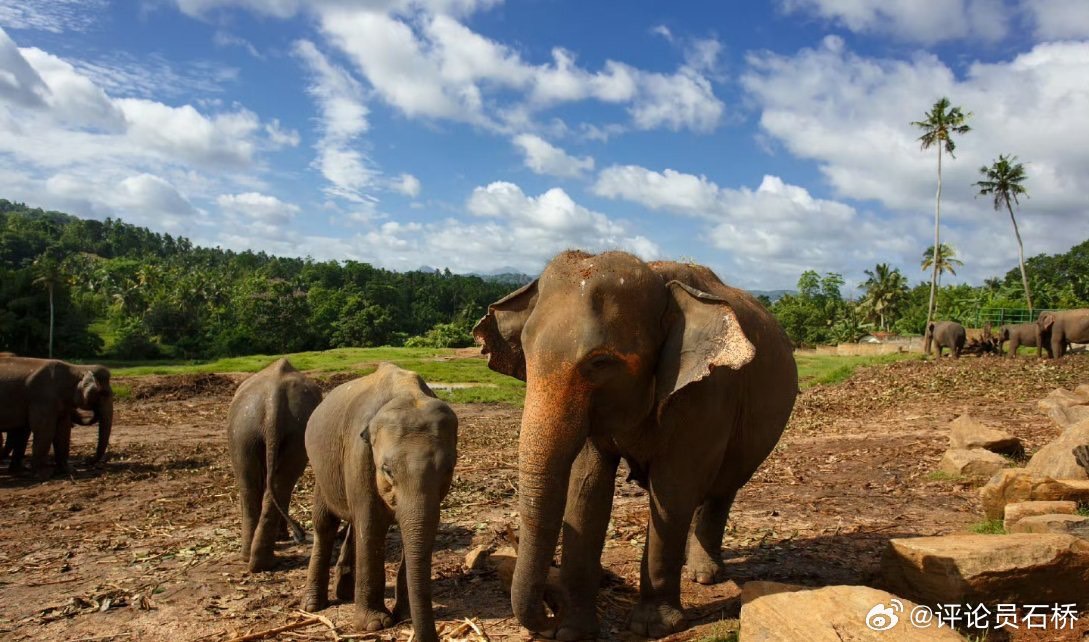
(656, 619)
(401, 611)
(578, 625)
(345, 584)
(370, 620)
(312, 602)
(261, 561)
(705, 570)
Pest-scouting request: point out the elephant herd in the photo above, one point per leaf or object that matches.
(1052, 332)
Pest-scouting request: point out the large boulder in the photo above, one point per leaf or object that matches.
(1062, 398)
(1019, 485)
(989, 569)
(1067, 416)
(759, 588)
(966, 432)
(1065, 524)
(975, 462)
(1017, 511)
(834, 614)
(1056, 459)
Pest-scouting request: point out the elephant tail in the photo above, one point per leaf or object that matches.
(298, 534)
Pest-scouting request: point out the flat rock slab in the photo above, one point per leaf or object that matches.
(1056, 459)
(833, 614)
(759, 588)
(989, 569)
(1063, 524)
(975, 462)
(967, 432)
(1017, 511)
(1018, 485)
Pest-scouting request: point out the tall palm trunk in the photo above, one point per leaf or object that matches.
(1021, 258)
(937, 226)
(50, 320)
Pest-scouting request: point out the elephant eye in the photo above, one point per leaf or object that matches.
(387, 471)
(601, 361)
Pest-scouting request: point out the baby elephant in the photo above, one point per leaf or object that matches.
(1022, 334)
(383, 448)
(946, 334)
(265, 426)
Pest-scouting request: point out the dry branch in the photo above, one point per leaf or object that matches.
(261, 635)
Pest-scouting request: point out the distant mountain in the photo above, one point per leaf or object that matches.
(774, 295)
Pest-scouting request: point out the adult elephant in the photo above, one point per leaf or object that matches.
(1055, 331)
(688, 380)
(1021, 334)
(43, 397)
(945, 334)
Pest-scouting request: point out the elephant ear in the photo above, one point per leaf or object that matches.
(1046, 321)
(703, 334)
(500, 331)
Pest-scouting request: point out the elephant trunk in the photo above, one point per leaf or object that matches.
(104, 414)
(554, 429)
(418, 526)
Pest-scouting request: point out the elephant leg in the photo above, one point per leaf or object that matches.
(1014, 344)
(344, 575)
(44, 427)
(316, 594)
(705, 542)
(62, 443)
(370, 524)
(16, 442)
(585, 523)
(1056, 346)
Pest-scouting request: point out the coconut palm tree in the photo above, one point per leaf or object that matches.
(885, 288)
(946, 258)
(1003, 180)
(50, 275)
(939, 125)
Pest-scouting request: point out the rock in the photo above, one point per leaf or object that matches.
(1067, 416)
(1018, 485)
(476, 558)
(972, 463)
(752, 590)
(1049, 524)
(1056, 459)
(503, 560)
(989, 569)
(966, 432)
(834, 614)
(1017, 511)
(1061, 398)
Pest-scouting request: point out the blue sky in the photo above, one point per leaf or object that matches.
(761, 139)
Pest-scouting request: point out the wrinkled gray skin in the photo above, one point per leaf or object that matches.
(690, 381)
(266, 424)
(1055, 331)
(43, 397)
(1021, 334)
(383, 449)
(946, 334)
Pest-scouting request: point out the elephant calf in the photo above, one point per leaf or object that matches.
(1055, 331)
(265, 426)
(946, 334)
(383, 449)
(1021, 334)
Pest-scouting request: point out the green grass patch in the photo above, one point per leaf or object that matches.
(988, 527)
(941, 475)
(830, 369)
(121, 390)
(721, 631)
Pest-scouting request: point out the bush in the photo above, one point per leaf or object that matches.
(131, 341)
(443, 335)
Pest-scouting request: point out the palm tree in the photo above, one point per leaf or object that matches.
(946, 257)
(49, 275)
(884, 290)
(939, 125)
(1003, 181)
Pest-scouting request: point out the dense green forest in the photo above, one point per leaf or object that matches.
(125, 292)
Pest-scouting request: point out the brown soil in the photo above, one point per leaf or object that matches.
(147, 549)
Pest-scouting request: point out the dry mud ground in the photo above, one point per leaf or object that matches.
(147, 549)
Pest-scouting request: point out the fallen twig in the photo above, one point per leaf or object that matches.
(261, 635)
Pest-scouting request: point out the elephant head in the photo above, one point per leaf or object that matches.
(414, 447)
(94, 393)
(928, 340)
(605, 344)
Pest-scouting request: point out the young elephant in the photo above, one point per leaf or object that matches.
(383, 448)
(946, 334)
(265, 426)
(1022, 334)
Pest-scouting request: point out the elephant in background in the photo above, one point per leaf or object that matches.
(383, 449)
(1055, 331)
(43, 397)
(945, 334)
(266, 424)
(1021, 334)
(688, 380)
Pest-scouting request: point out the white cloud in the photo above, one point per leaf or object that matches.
(925, 21)
(1058, 19)
(56, 16)
(258, 207)
(407, 184)
(544, 158)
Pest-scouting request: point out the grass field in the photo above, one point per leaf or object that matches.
(441, 368)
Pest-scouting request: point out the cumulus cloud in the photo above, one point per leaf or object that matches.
(407, 184)
(544, 158)
(258, 207)
(925, 21)
(1058, 19)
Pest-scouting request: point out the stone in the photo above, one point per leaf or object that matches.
(1017, 511)
(476, 559)
(990, 569)
(967, 432)
(1056, 459)
(1062, 398)
(758, 588)
(976, 462)
(1018, 485)
(1067, 416)
(834, 614)
(1065, 524)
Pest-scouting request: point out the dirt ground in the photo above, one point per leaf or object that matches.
(147, 549)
